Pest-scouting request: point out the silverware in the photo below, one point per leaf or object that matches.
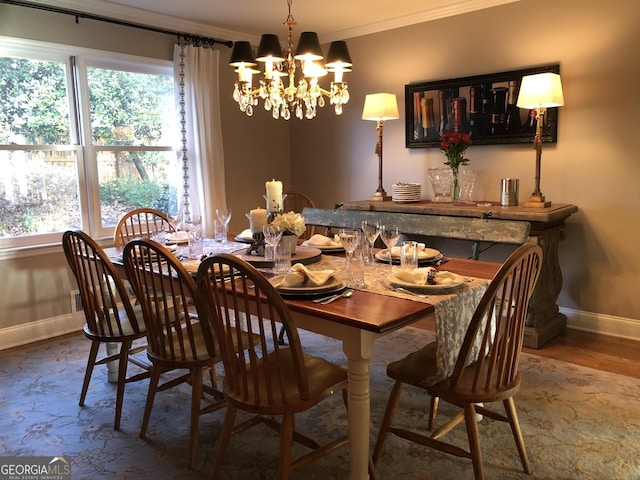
(345, 294)
(404, 290)
(322, 299)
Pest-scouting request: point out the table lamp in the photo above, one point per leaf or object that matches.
(380, 107)
(539, 92)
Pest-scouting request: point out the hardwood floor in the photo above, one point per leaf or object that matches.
(602, 352)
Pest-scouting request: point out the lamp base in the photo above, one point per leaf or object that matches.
(380, 196)
(536, 201)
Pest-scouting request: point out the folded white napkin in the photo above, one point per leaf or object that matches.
(302, 276)
(246, 234)
(318, 240)
(424, 276)
(178, 236)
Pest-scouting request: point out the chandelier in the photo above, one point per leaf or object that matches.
(301, 98)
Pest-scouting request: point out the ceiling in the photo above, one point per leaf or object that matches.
(248, 19)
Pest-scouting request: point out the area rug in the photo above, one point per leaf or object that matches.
(578, 423)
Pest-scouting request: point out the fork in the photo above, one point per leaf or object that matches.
(404, 290)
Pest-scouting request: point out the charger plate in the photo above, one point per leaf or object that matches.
(396, 282)
(303, 255)
(334, 284)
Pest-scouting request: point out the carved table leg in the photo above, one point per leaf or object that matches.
(544, 320)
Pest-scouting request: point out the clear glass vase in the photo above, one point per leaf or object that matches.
(455, 187)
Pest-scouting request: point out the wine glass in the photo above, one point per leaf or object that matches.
(224, 217)
(272, 236)
(389, 235)
(350, 240)
(193, 225)
(371, 230)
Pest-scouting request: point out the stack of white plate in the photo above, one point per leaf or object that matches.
(406, 192)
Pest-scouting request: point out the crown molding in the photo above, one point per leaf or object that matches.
(466, 6)
(148, 18)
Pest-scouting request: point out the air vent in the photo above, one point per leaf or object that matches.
(76, 301)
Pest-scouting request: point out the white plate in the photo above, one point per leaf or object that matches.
(424, 255)
(337, 248)
(334, 284)
(396, 282)
(178, 237)
(243, 239)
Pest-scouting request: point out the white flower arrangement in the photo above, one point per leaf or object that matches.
(291, 222)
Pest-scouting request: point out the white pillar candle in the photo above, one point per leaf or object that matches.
(257, 219)
(274, 195)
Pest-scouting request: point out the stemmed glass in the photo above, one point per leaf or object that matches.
(371, 230)
(224, 217)
(272, 236)
(389, 235)
(350, 240)
(194, 228)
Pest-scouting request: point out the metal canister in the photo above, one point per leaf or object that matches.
(509, 192)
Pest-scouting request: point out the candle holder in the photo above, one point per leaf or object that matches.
(279, 209)
(257, 246)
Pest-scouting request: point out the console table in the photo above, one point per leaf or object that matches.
(544, 320)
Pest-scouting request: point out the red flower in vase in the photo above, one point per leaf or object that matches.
(454, 145)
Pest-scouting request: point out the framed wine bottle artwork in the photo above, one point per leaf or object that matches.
(484, 106)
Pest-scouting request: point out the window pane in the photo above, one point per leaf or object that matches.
(34, 108)
(130, 108)
(38, 192)
(134, 179)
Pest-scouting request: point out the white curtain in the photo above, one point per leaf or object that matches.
(196, 78)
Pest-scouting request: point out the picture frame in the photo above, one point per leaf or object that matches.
(484, 106)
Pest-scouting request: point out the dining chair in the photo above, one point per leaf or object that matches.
(266, 379)
(486, 369)
(110, 316)
(179, 333)
(141, 222)
(296, 202)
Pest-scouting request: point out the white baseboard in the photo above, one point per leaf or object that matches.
(63, 324)
(604, 324)
(40, 330)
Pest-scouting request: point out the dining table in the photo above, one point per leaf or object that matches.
(374, 310)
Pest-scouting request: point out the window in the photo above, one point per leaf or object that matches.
(84, 137)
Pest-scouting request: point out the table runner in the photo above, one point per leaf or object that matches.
(453, 308)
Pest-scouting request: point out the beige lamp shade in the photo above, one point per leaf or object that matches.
(540, 90)
(380, 106)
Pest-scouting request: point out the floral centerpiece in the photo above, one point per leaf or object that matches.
(290, 223)
(454, 145)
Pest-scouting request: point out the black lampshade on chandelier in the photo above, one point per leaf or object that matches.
(301, 97)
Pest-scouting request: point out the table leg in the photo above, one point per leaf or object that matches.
(358, 347)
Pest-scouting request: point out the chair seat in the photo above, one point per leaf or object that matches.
(463, 390)
(324, 377)
(187, 357)
(128, 331)
(415, 368)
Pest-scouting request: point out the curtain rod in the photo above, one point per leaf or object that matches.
(186, 36)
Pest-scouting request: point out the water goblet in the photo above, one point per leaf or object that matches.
(224, 217)
(350, 240)
(390, 235)
(371, 230)
(272, 236)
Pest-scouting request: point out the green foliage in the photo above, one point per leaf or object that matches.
(34, 102)
(137, 193)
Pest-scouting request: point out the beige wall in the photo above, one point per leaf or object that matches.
(594, 164)
(35, 286)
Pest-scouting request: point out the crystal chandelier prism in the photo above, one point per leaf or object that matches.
(301, 97)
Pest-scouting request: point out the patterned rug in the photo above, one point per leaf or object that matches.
(578, 423)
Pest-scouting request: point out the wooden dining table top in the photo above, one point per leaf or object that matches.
(379, 313)
(374, 311)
